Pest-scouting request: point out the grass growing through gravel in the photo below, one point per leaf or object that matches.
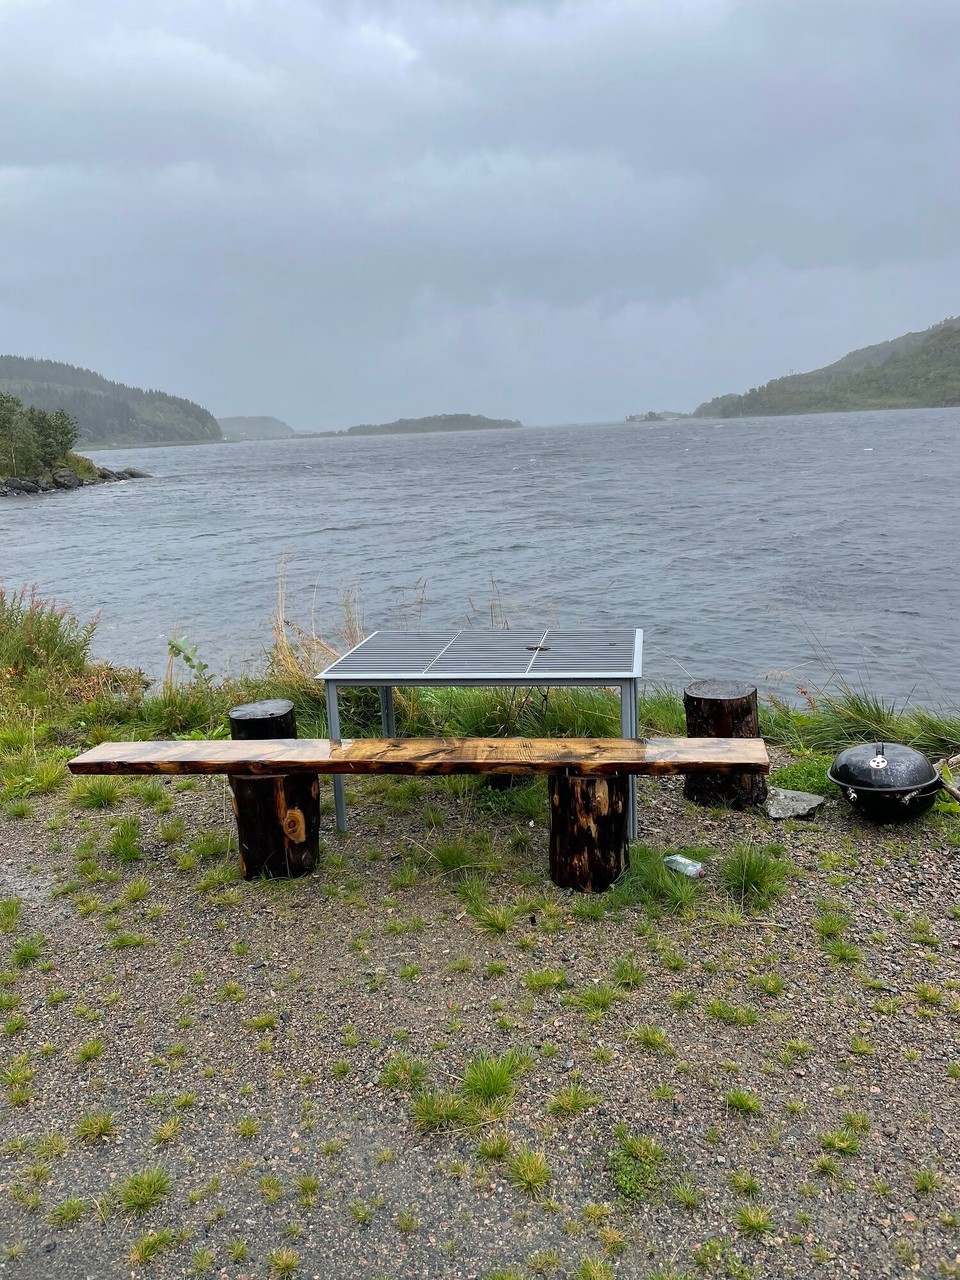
(546, 980)
(650, 1038)
(67, 1213)
(404, 1072)
(733, 1015)
(11, 909)
(491, 1079)
(649, 883)
(596, 1000)
(572, 1100)
(151, 1245)
(528, 1170)
(754, 875)
(96, 792)
(497, 960)
(754, 1219)
(93, 1126)
(637, 1165)
(485, 1092)
(745, 1101)
(144, 1190)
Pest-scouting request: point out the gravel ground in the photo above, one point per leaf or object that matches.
(778, 1111)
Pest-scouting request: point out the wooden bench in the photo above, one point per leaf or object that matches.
(587, 784)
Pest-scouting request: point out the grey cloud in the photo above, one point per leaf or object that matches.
(337, 212)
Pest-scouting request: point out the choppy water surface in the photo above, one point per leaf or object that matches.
(776, 549)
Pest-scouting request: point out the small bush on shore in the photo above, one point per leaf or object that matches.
(41, 633)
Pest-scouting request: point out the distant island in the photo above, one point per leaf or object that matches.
(656, 415)
(254, 428)
(105, 412)
(914, 371)
(437, 422)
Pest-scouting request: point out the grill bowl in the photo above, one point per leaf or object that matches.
(886, 782)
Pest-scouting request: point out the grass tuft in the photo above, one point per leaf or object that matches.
(528, 1170)
(572, 1100)
(444, 1109)
(144, 1190)
(403, 1072)
(94, 1125)
(637, 1164)
(491, 1078)
(754, 875)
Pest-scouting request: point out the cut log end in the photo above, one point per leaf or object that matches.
(723, 709)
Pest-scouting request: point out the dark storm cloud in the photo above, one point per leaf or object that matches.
(343, 212)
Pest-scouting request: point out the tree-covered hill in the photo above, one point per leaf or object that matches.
(436, 422)
(106, 412)
(914, 371)
(255, 428)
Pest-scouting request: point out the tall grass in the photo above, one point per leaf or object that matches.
(299, 653)
(46, 674)
(41, 633)
(509, 712)
(852, 716)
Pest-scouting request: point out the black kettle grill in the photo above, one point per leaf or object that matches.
(886, 782)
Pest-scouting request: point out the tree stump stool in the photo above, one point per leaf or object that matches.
(723, 709)
(589, 848)
(278, 818)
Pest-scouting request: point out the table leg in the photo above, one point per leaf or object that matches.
(629, 726)
(333, 730)
(388, 719)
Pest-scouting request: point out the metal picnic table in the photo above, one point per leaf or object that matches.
(605, 657)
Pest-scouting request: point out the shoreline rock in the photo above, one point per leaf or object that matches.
(65, 479)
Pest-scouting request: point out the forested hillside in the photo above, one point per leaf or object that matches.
(106, 412)
(916, 370)
(255, 428)
(436, 422)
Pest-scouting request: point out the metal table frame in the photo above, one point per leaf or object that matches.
(355, 670)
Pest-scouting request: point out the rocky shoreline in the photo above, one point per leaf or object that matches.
(65, 478)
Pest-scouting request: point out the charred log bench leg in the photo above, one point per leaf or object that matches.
(278, 818)
(589, 848)
(723, 709)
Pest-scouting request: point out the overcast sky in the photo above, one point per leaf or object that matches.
(342, 212)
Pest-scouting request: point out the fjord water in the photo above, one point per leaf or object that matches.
(777, 549)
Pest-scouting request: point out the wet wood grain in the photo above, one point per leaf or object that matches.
(527, 756)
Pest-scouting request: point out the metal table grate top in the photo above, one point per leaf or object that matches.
(387, 659)
(467, 656)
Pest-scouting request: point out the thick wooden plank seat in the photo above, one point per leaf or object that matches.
(275, 803)
(584, 757)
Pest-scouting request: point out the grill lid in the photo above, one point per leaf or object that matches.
(882, 766)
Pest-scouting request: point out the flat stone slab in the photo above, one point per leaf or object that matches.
(781, 803)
